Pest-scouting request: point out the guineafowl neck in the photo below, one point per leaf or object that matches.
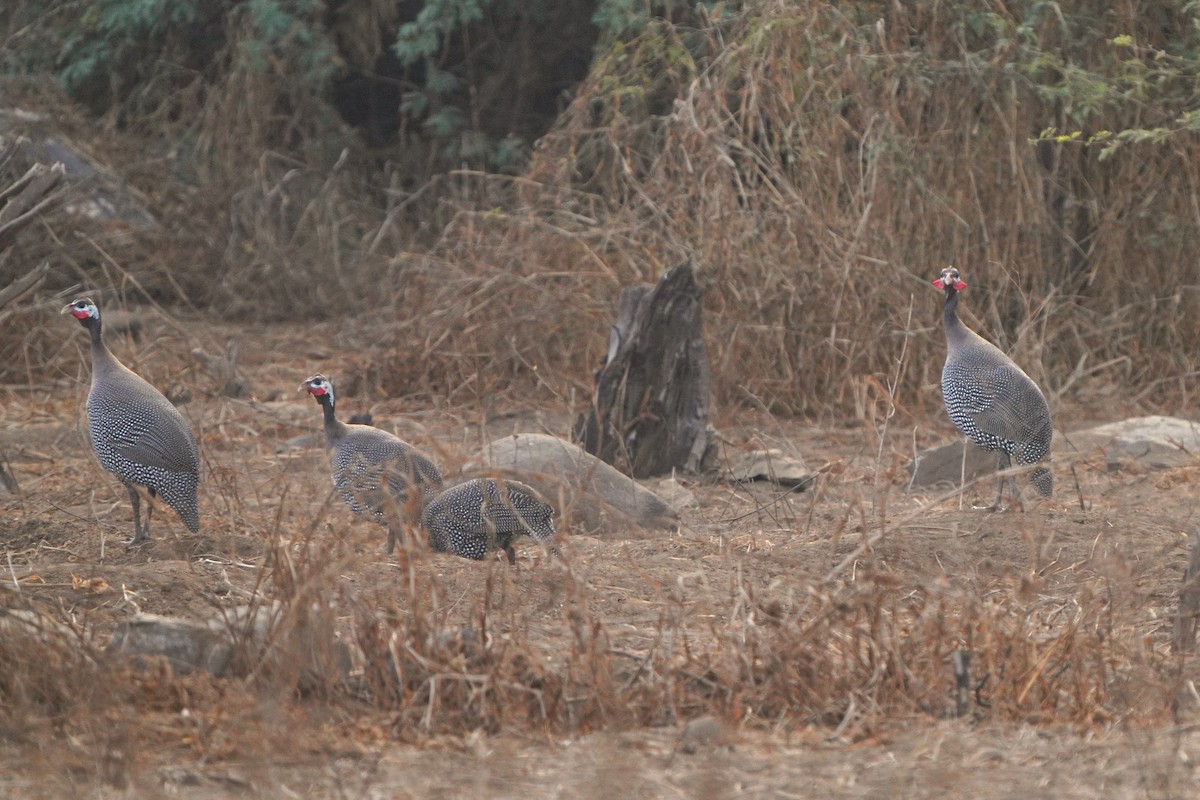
(954, 326)
(334, 429)
(102, 357)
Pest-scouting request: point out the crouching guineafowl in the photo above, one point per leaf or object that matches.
(486, 514)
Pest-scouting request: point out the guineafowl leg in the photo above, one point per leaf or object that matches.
(149, 511)
(1005, 462)
(392, 537)
(140, 534)
(511, 553)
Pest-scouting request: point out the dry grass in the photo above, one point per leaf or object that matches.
(829, 618)
(820, 171)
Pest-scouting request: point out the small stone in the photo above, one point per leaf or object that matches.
(774, 466)
(702, 732)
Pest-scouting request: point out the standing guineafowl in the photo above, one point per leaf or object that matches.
(990, 399)
(485, 514)
(136, 432)
(365, 458)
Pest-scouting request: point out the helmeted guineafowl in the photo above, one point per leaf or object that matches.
(484, 514)
(136, 432)
(365, 459)
(990, 399)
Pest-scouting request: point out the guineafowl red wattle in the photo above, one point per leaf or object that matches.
(366, 459)
(485, 514)
(136, 432)
(990, 399)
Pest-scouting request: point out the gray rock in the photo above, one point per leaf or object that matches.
(774, 466)
(590, 495)
(186, 645)
(943, 466)
(241, 641)
(16, 622)
(296, 640)
(674, 493)
(702, 732)
(1155, 441)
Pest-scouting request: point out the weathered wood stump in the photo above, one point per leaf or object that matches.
(649, 413)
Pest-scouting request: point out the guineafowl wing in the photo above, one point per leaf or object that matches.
(166, 442)
(1000, 411)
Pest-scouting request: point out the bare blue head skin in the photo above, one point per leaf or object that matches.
(950, 280)
(319, 387)
(86, 311)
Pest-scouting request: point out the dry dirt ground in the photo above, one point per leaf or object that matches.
(64, 552)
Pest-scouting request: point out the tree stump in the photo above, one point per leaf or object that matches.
(649, 412)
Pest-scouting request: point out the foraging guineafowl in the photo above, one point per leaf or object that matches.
(485, 514)
(364, 458)
(990, 399)
(136, 432)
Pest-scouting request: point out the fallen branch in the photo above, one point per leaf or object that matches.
(24, 284)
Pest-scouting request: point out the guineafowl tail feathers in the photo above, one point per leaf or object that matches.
(1043, 480)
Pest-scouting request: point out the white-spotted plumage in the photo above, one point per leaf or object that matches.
(485, 514)
(375, 471)
(136, 433)
(990, 399)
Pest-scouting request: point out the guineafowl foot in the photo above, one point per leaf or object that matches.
(140, 537)
(1000, 508)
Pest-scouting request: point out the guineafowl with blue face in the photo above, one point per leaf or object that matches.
(136, 433)
(380, 476)
(991, 400)
(481, 515)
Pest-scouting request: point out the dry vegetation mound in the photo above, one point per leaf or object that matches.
(819, 164)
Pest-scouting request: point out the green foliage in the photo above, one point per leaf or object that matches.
(121, 41)
(142, 59)
(435, 44)
(293, 32)
(1114, 88)
(423, 38)
(623, 19)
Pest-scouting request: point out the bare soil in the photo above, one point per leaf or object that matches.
(263, 483)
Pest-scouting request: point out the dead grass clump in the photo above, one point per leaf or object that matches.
(880, 648)
(295, 244)
(844, 660)
(436, 675)
(820, 170)
(47, 674)
(29, 349)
